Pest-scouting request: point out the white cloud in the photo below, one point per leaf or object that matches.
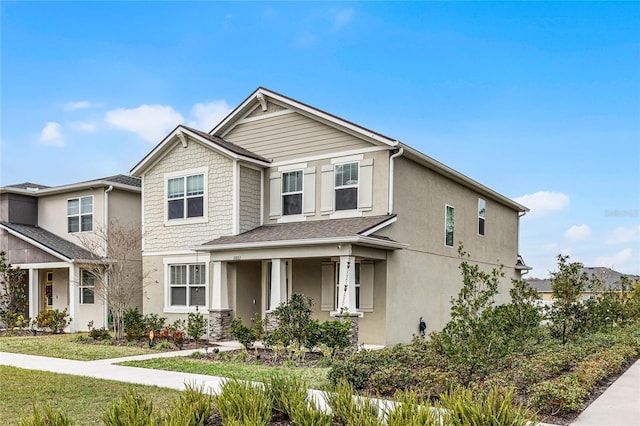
(208, 115)
(150, 122)
(72, 106)
(82, 126)
(543, 202)
(615, 261)
(550, 246)
(578, 233)
(50, 134)
(341, 17)
(623, 235)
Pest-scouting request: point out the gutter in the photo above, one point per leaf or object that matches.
(391, 169)
(358, 239)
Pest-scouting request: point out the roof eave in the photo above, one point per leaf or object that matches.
(461, 178)
(360, 240)
(71, 188)
(37, 244)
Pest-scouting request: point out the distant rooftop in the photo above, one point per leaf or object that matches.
(36, 188)
(609, 278)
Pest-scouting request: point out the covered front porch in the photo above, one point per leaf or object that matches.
(342, 274)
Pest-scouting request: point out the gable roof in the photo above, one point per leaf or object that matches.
(609, 277)
(124, 182)
(47, 241)
(229, 149)
(317, 114)
(349, 230)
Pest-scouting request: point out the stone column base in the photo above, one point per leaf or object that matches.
(219, 323)
(355, 325)
(271, 322)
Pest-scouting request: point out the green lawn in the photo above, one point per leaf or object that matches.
(84, 399)
(315, 378)
(65, 346)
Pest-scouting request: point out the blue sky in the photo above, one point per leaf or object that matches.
(539, 101)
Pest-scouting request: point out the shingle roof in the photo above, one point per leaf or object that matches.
(125, 180)
(27, 185)
(609, 277)
(227, 145)
(334, 228)
(57, 244)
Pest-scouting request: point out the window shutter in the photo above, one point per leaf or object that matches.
(366, 287)
(328, 284)
(365, 191)
(309, 187)
(326, 199)
(275, 195)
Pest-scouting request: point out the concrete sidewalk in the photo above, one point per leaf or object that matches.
(617, 406)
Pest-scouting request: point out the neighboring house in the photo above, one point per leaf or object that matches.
(608, 278)
(41, 231)
(282, 198)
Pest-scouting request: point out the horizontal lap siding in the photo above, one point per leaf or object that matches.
(291, 135)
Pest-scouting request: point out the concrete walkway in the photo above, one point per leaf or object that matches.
(619, 405)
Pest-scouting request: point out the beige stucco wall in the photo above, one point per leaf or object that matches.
(423, 278)
(159, 234)
(247, 296)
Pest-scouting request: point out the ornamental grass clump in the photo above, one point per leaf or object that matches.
(192, 408)
(243, 403)
(47, 417)
(130, 409)
(411, 409)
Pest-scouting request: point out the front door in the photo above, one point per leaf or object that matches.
(48, 291)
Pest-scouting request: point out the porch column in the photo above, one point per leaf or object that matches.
(278, 283)
(74, 298)
(347, 281)
(34, 293)
(219, 313)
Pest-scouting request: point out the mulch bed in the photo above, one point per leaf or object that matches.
(265, 357)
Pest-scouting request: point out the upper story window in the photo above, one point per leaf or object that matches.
(482, 211)
(87, 287)
(346, 186)
(292, 192)
(448, 226)
(185, 197)
(80, 214)
(187, 285)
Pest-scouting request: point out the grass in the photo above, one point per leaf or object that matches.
(315, 378)
(65, 346)
(84, 399)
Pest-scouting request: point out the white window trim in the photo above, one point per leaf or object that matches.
(186, 260)
(338, 213)
(82, 286)
(298, 216)
(79, 215)
(205, 202)
(453, 243)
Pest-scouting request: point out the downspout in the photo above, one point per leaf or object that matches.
(521, 214)
(106, 234)
(391, 162)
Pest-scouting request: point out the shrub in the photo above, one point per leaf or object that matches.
(561, 395)
(243, 334)
(13, 296)
(134, 327)
(130, 409)
(243, 403)
(295, 325)
(196, 325)
(386, 381)
(335, 334)
(191, 408)
(99, 334)
(496, 408)
(153, 322)
(47, 418)
(54, 320)
(348, 370)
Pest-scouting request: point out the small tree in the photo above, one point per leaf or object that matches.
(567, 283)
(521, 318)
(13, 300)
(472, 340)
(117, 268)
(295, 325)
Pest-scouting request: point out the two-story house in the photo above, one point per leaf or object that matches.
(282, 198)
(43, 231)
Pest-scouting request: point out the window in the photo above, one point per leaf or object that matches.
(187, 285)
(482, 210)
(87, 287)
(185, 196)
(80, 214)
(346, 186)
(340, 291)
(292, 192)
(448, 226)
